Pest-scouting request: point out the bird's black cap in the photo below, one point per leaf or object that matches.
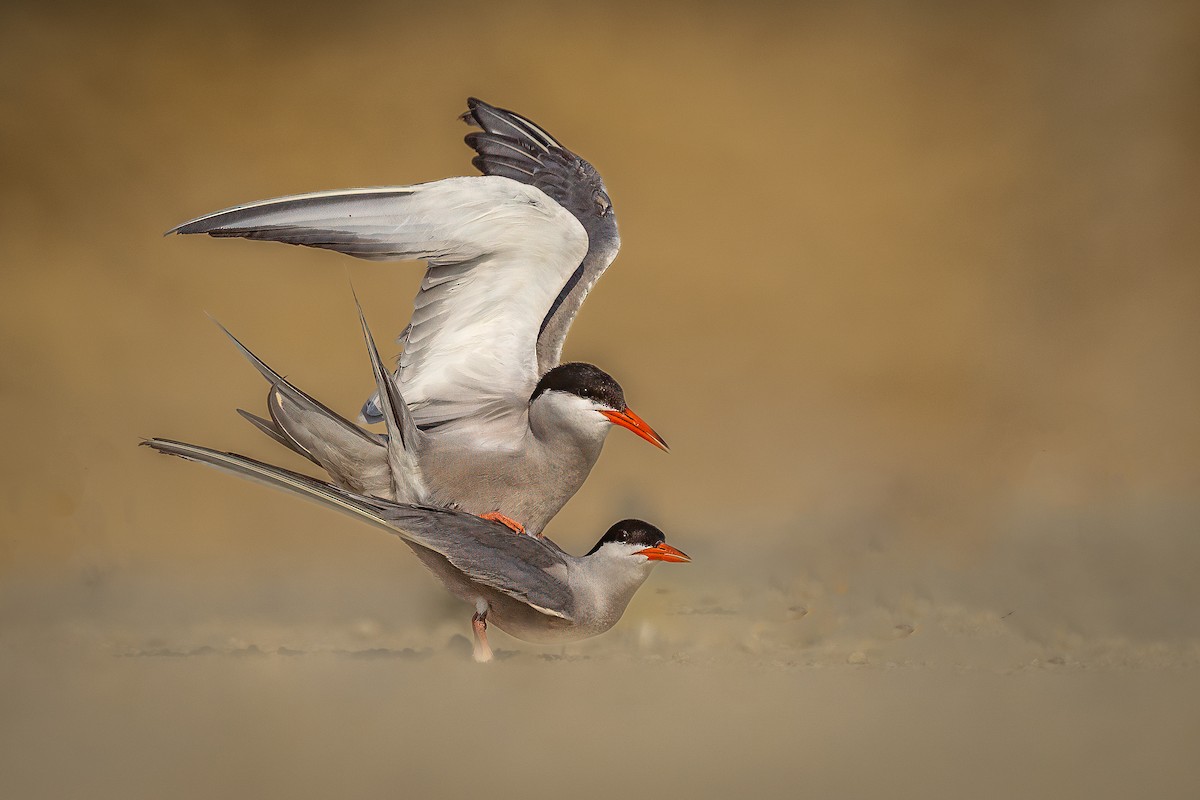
(585, 380)
(631, 531)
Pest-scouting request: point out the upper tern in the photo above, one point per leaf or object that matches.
(511, 254)
(411, 465)
(527, 586)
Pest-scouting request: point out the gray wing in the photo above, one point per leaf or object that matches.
(514, 147)
(498, 251)
(520, 566)
(486, 552)
(356, 222)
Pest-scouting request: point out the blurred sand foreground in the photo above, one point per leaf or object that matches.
(910, 289)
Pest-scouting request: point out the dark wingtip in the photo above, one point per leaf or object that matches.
(184, 228)
(468, 116)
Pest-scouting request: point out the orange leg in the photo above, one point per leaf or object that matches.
(482, 652)
(496, 516)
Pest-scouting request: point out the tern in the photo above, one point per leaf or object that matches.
(528, 587)
(505, 428)
(416, 466)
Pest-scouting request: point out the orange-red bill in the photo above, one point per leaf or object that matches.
(664, 552)
(630, 420)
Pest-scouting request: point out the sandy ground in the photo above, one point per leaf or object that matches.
(911, 290)
(712, 686)
(394, 724)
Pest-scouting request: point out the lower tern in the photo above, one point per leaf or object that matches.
(527, 587)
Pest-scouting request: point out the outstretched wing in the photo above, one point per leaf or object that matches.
(487, 552)
(514, 147)
(499, 252)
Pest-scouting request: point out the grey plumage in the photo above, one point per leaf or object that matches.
(403, 437)
(271, 429)
(296, 396)
(527, 586)
(528, 478)
(354, 458)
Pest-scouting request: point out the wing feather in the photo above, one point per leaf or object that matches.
(515, 147)
(499, 251)
(486, 552)
(502, 240)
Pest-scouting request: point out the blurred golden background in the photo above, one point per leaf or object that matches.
(911, 289)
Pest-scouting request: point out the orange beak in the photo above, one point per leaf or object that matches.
(628, 419)
(664, 552)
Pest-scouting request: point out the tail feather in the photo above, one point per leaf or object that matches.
(403, 434)
(356, 505)
(485, 552)
(391, 406)
(300, 398)
(354, 458)
(272, 429)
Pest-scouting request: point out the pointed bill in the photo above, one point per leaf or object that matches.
(664, 552)
(630, 420)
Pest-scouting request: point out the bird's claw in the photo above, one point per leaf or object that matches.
(496, 516)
